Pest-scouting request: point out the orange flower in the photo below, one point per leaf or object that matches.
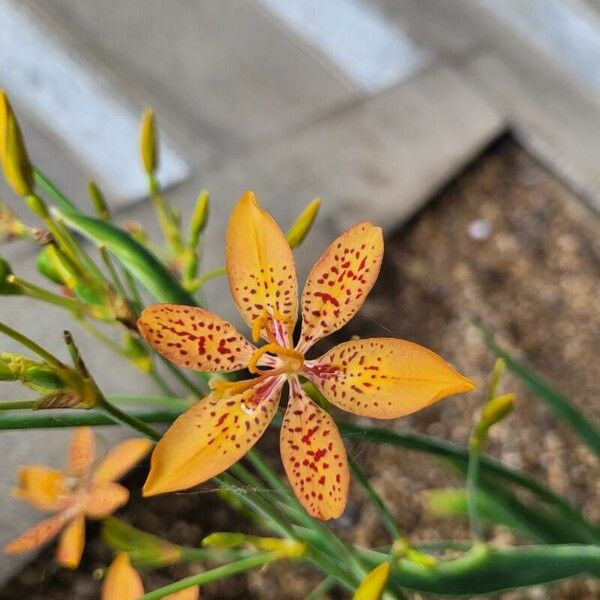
(75, 494)
(383, 378)
(122, 582)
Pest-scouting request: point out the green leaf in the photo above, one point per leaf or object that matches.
(137, 259)
(485, 569)
(562, 407)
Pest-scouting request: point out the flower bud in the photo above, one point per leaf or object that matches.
(283, 547)
(98, 201)
(45, 263)
(13, 152)
(148, 142)
(199, 218)
(373, 585)
(6, 286)
(37, 376)
(301, 226)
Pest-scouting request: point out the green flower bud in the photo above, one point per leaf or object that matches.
(299, 230)
(148, 142)
(7, 288)
(13, 152)
(199, 218)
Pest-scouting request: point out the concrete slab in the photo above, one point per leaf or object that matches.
(557, 121)
(232, 75)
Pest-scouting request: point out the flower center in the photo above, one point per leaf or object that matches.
(292, 359)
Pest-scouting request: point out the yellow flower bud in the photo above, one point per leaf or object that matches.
(199, 218)
(98, 200)
(373, 585)
(148, 142)
(13, 152)
(497, 409)
(299, 230)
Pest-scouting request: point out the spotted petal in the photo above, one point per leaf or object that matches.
(42, 487)
(338, 284)
(314, 456)
(37, 535)
(121, 459)
(212, 435)
(384, 378)
(71, 542)
(194, 338)
(104, 499)
(122, 580)
(261, 271)
(82, 451)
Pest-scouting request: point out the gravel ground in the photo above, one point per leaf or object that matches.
(506, 243)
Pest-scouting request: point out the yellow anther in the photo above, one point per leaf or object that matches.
(292, 358)
(263, 322)
(257, 325)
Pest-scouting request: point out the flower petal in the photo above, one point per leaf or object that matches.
(194, 338)
(338, 284)
(104, 499)
(42, 487)
(211, 436)
(314, 456)
(82, 451)
(384, 378)
(37, 535)
(71, 542)
(122, 580)
(121, 459)
(261, 271)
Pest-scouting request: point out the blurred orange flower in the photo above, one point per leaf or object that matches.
(382, 378)
(75, 494)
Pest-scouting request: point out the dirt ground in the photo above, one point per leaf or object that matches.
(506, 243)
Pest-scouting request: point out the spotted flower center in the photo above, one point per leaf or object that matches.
(291, 360)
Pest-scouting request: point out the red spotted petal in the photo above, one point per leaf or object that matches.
(384, 378)
(104, 499)
(212, 435)
(261, 271)
(82, 451)
(338, 284)
(314, 456)
(194, 338)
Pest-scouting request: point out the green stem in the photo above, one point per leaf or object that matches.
(318, 592)
(472, 482)
(17, 405)
(34, 291)
(62, 418)
(114, 276)
(161, 383)
(31, 345)
(384, 514)
(128, 419)
(190, 385)
(239, 566)
(210, 275)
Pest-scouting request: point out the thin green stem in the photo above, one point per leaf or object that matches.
(190, 385)
(64, 418)
(161, 383)
(114, 276)
(34, 291)
(318, 592)
(239, 566)
(52, 190)
(128, 419)
(472, 488)
(31, 345)
(210, 275)
(17, 405)
(384, 514)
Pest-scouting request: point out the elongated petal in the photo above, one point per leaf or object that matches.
(37, 535)
(71, 542)
(314, 456)
(211, 436)
(82, 451)
(373, 585)
(338, 284)
(104, 499)
(194, 338)
(121, 459)
(42, 487)
(122, 580)
(261, 270)
(384, 378)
